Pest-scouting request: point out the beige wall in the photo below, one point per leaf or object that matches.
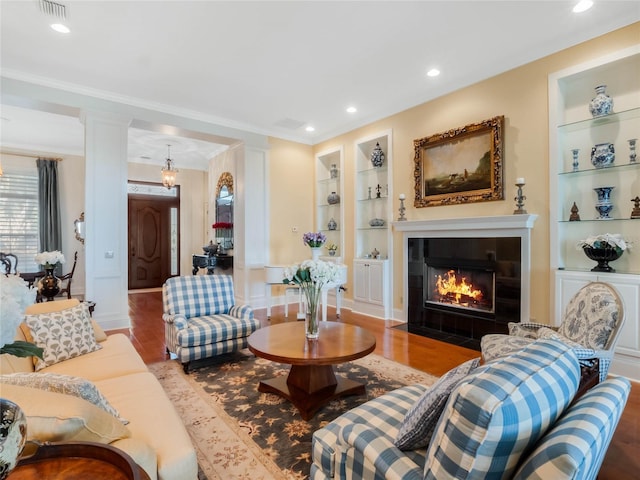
(521, 96)
(291, 180)
(193, 207)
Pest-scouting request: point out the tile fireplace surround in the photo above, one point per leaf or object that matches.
(455, 323)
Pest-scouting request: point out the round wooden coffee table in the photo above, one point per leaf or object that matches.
(311, 381)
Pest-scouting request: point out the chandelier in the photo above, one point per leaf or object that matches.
(168, 172)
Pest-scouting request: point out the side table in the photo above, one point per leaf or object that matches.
(76, 461)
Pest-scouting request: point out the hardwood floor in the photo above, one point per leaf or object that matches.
(147, 334)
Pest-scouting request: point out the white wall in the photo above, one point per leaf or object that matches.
(71, 184)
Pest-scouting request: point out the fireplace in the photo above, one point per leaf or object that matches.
(465, 278)
(465, 288)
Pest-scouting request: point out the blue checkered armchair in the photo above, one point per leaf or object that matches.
(515, 418)
(201, 319)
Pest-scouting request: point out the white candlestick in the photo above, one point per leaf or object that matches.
(402, 197)
(520, 180)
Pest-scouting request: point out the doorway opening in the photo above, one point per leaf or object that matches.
(153, 233)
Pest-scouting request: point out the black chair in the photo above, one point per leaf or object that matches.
(68, 277)
(8, 263)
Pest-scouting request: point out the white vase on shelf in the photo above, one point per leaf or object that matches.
(315, 253)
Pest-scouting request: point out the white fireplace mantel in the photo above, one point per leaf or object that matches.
(469, 227)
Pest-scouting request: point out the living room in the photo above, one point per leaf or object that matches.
(262, 163)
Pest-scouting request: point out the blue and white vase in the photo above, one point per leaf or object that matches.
(333, 198)
(604, 205)
(377, 156)
(601, 104)
(332, 225)
(603, 155)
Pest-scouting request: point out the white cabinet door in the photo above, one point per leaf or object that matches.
(361, 281)
(371, 287)
(376, 283)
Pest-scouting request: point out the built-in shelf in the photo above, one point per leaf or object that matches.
(591, 171)
(373, 192)
(329, 168)
(600, 121)
(570, 92)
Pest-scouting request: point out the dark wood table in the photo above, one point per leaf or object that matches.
(312, 381)
(76, 461)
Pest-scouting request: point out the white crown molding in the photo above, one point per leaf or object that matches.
(154, 106)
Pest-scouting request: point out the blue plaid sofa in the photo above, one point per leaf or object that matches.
(513, 418)
(200, 317)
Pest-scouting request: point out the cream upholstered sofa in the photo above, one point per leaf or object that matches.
(154, 436)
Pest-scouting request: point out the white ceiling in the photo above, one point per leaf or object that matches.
(274, 67)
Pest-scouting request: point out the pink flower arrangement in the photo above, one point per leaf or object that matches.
(222, 225)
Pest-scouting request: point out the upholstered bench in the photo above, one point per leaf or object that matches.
(201, 319)
(512, 418)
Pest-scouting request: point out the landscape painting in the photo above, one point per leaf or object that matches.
(460, 166)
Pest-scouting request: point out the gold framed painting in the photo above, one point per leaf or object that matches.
(462, 165)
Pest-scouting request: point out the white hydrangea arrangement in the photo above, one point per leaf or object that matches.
(15, 297)
(613, 240)
(49, 259)
(311, 276)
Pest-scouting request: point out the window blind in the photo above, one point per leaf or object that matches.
(19, 218)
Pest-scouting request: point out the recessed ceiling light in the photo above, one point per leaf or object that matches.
(582, 6)
(310, 129)
(352, 110)
(59, 27)
(434, 72)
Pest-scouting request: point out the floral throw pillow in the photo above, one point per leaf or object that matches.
(66, 384)
(420, 421)
(63, 335)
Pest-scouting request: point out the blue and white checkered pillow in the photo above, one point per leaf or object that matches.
(421, 419)
(501, 410)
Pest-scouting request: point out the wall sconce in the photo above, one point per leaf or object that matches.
(168, 172)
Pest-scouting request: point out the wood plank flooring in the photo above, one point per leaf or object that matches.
(147, 334)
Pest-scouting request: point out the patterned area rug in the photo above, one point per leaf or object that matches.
(240, 433)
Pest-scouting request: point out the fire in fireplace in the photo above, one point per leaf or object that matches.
(468, 289)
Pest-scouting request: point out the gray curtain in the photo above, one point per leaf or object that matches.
(49, 207)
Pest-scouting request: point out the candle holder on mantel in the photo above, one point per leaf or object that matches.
(402, 209)
(520, 198)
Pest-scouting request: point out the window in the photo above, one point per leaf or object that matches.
(19, 217)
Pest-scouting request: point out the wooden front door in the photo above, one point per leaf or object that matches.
(149, 241)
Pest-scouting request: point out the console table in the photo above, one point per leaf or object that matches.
(275, 275)
(203, 261)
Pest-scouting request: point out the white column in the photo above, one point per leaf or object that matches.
(106, 216)
(251, 229)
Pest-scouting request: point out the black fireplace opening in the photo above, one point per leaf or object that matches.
(460, 289)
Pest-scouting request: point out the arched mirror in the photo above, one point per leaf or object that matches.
(224, 212)
(78, 226)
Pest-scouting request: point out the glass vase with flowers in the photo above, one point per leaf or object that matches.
(311, 276)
